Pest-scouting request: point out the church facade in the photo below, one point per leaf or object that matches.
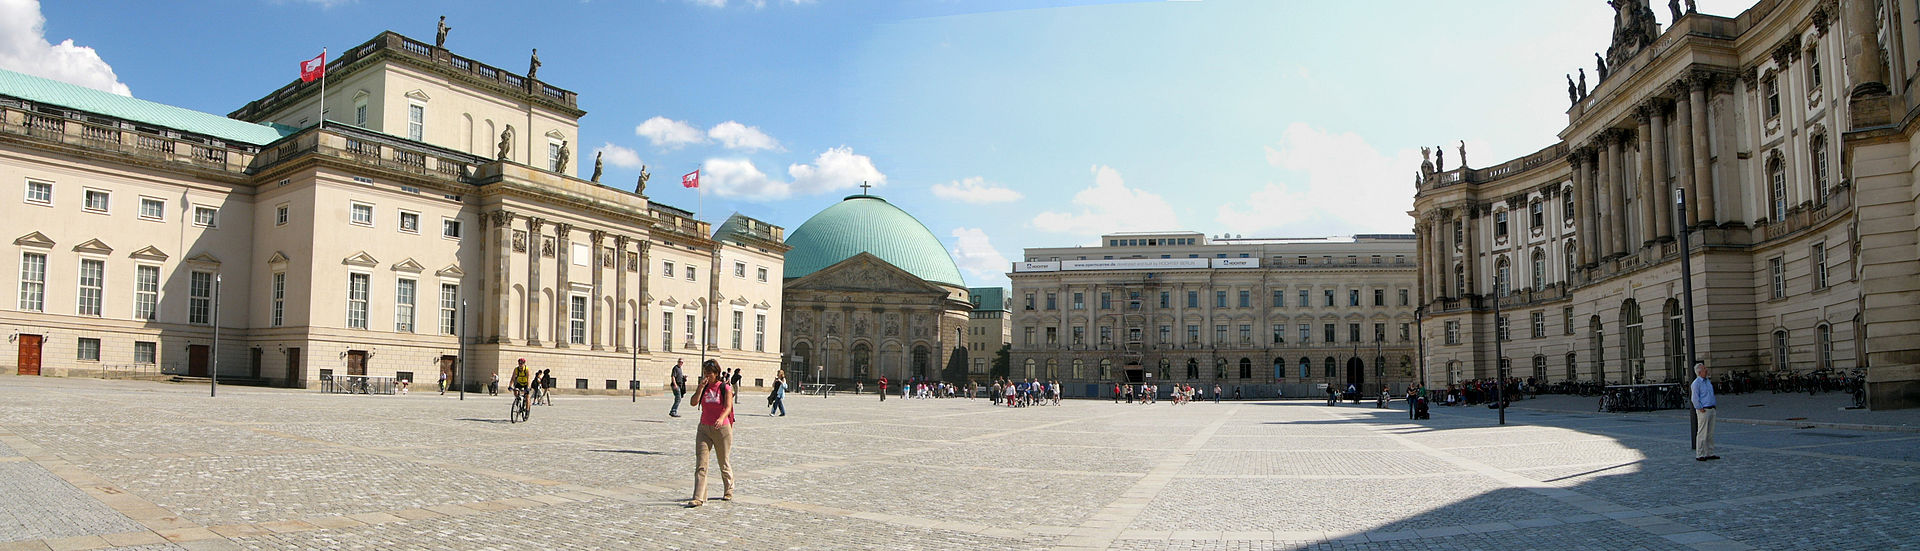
(437, 201)
(1786, 129)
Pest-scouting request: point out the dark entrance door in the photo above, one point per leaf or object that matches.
(30, 354)
(1356, 374)
(253, 363)
(196, 360)
(356, 362)
(1135, 375)
(295, 377)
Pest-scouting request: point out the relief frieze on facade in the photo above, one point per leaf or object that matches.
(892, 324)
(519, 241)
(833, 323)
(546, 246)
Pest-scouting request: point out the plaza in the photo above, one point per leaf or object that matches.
(97, 464)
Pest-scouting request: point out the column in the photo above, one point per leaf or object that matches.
(1645, 181)
(1864, 68)
(1661, 199)
(500, 277)
(1469, 258)
(1702, 192)
(621, 275)
(713, 290)
(1683, 131)
(534, 243)
(1617, 194)
(643, 271)
(1583, 233)
(598, 262)
(1603, 196)
(1591, 195)
(562, 287)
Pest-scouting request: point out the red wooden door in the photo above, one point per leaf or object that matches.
(30, 354)
(356, 362)
(197, 360)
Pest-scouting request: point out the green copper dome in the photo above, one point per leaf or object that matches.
(869, 224)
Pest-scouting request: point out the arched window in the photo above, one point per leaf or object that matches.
(1539, 368)
(1780, 350)
(1166, 369)
(1818, 147)
(1676, 343)
(1502, 277)
(1306, 368)
(1633, 345)
(1597, 348)
(1030, 371)
(802, 356)
(1219, 368)
(1106, 369)
(1459, 280)
(1193, 368)
(1823, 344)
(1279, 368)
(1572, 260)
(1332, 367)
(1053, 368)
(862, 360)
(1078, 365)
(1776, 189)
(1539, 276)
(1246, 368)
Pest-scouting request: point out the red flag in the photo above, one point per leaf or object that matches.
(313, 69)
(691, 179)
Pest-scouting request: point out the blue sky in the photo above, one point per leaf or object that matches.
(1000, 124)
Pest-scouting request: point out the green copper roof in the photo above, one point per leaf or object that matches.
(865, 223)
(988, 298)
(53, 92)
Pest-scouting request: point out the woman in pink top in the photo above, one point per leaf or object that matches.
(716, 432)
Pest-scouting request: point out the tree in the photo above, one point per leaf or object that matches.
(1002, 363)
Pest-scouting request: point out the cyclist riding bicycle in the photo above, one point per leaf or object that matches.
(521, 384)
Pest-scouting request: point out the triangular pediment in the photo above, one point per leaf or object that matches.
(646, 298)
(150, 253)
(452, 270)
(763, 305)
(419, 95)
(204, 258)
(739, 301)
(277, 258)
(361, 259)
(865, 272)
(669, 302)
(555, 134)
(35, 239)
(93, 246)
(408, 266)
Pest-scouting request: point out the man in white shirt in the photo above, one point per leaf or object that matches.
(1703, 409)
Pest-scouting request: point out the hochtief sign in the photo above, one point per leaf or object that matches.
(1135, 264)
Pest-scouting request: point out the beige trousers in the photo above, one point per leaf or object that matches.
(718, 441)
(1703, 442)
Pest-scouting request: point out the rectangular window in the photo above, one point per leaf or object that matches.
(1193, 299)
(1329, 333)
(1079, 301)
(1403, 297)
(1027, 334)
(358, 287)
(1246, 334)
(206, 217)
(1779, 276)
(1052, 301)
(1165, 298)
(1379, 332)
(1246, 299)
(1053, 336)
(1106, 301)
(1329, 296)
(1306, 333)
(1193, 334)
(360, 113)
(1379, 297)
(1303, 299)
(553, 156)
(1079, 335)
(1500, 329)
(360, 214)
(666, 331)
(1453, 332)
(690, 325)
(1219, 334)
(146, 292)
(1539, 320)
(666, 268)
(1566, 320)
(1353, 332)
(1538, 213)
(403, 295)
(39, 193)
(200, 298)
(93, 275)
(1353, 297)
(1279, 298)
(449, 308)
(1166, 334)
(1406, 332)
(1106, 335)
(577, 319)
(690, 273)
(146, 352)
(95, 200)
(153, 209)
(409, 222)
(739, 328)
(759, 332)
(1772, 89)
(1279, 333)
(89, 349)
(449, 228)
(1819, 260)
(740, 270)
(416, 122)
(760, 274)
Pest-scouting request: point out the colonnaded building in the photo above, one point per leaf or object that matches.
(139, 226)
(1793, 145)
(1269, 316)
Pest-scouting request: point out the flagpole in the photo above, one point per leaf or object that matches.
(323, 87)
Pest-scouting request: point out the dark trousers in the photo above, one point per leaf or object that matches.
(679, 394)
(780, 406)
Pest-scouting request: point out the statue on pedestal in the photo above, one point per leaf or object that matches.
(597, 166)
(560, 160)
(1583, 83)
(533, 65)
(1674, 6)
(1573, 94)
(641, 189)
(440, 36)
(506, 143)
(1602, 62)
(1463, 153)
(1440, 158)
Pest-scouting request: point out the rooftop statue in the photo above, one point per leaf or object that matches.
(440, 35)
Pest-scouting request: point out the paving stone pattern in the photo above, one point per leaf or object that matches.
(88, 464)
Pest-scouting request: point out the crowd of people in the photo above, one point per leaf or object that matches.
(1486, 391)
(1031, 392)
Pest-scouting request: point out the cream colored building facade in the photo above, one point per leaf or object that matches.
(1269, 316)
(1793, 149)
(361, 248)
(989, 328)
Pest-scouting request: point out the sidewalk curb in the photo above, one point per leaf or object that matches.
(1767, 422)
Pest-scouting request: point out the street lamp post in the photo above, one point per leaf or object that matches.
(460, 363)
(1686, 291)
(213, 383)
(1499, 352)
(633, 382)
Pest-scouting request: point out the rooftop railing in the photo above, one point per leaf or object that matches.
(122, 137)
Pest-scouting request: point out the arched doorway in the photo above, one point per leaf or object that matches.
(862, 359)
(1356, 373)
(921, 359)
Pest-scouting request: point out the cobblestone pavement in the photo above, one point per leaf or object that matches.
(1784, 409)
(96, 464)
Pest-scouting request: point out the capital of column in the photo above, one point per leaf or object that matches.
(500, 217)
(561, 230)
(534, 223)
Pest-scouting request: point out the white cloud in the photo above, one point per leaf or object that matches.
(740, 137)
(1344, 185)
(739, 178)
(24, 48)
(668, 133)
(835, 169)
(1110, 206)
(974, 253)
(619, 156)
(975, 190)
